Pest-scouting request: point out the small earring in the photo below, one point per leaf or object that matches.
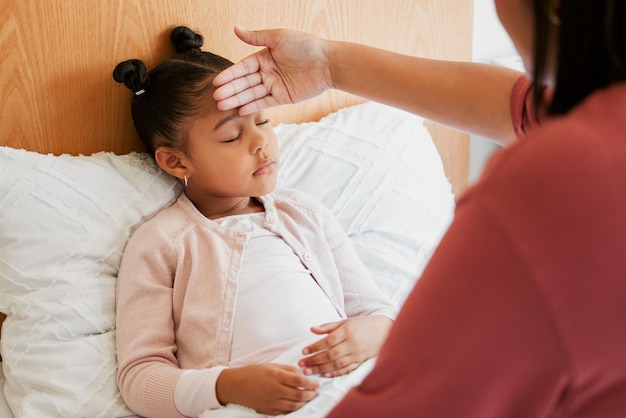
(185, 179)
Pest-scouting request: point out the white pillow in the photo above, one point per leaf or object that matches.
(378, 171)
(64, 222)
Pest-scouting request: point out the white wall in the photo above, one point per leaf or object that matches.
(490, 38)
(490, 42)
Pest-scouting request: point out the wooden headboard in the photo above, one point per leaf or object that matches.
(57, 94)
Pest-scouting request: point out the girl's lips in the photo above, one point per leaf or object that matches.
(265, 167)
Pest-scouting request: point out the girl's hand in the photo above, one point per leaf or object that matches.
(348, 344)
(270, 389)
(291, 68)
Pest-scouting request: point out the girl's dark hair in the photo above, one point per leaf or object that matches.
(173, 93)
(591, 49)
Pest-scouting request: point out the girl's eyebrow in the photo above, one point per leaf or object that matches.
(224, 120)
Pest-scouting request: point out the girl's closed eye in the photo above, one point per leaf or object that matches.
(261, 123)
(233, 139)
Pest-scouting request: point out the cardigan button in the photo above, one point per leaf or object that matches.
(307, 257)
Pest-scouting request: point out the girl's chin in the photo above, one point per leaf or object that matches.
(267, 188)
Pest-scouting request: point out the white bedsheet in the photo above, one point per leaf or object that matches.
(332, 390)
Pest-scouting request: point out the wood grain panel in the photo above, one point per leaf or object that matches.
(57, 94)
(56, 90)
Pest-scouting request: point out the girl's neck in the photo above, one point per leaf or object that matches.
(228, 207)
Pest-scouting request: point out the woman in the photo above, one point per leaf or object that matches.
(522, 309)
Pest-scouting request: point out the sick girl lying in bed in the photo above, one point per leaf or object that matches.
(235, 273)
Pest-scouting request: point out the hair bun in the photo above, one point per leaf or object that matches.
(132, 73)
(184, 39)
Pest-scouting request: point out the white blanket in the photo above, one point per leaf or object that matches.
(332, 390)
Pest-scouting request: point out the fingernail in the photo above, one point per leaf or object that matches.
(307, 371)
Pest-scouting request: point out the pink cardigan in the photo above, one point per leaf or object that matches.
(177, 288)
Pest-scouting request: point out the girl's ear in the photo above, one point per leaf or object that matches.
(171, 161)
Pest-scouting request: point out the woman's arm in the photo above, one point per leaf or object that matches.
(471, 97)
(296, 66)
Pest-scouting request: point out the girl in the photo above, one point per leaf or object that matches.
(215, 287)
(521, 311)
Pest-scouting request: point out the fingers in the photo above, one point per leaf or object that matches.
(236, 85)
(335, 336)
(333, 357)
(333, 370)
(258, 105)
(250, 37)
(331, 340)
(248, 108)
(296, 390)
(295, 379)
(243, 34)
(330, 364)
(249, 101)
(324, 356)
(247, 66)
(326, 328)
(279, 389)
(240, 91)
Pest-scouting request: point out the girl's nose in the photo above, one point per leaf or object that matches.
(260, 144)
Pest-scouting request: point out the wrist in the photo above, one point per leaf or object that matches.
(332, 57)
(343, 60)
(224, 385)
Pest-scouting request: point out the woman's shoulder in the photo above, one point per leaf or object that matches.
(579, 138)
(560, 161)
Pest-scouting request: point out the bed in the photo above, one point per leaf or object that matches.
(75, 182)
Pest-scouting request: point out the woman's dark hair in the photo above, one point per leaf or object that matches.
(173, 93)
(591, 44)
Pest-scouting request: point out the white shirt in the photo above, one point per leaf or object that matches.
(277, 304)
